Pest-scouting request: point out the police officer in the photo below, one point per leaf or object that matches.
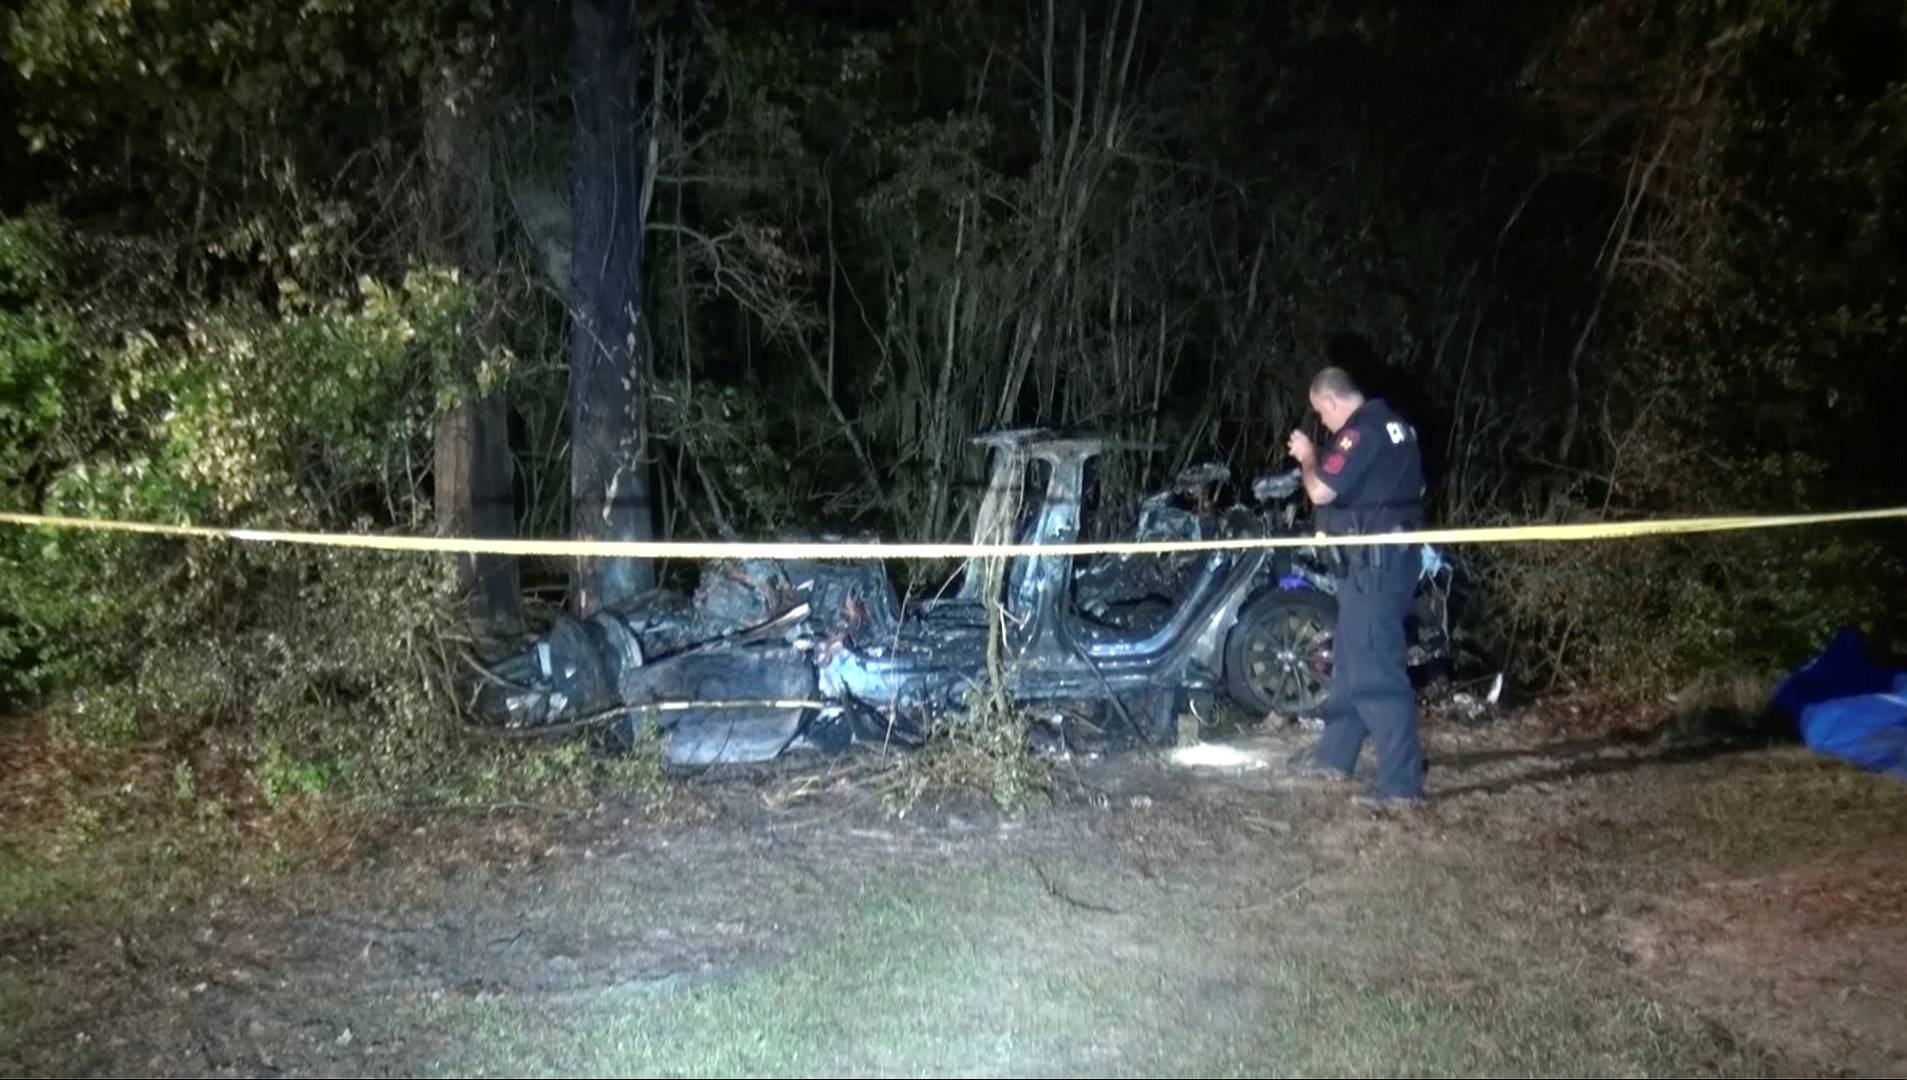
(1368, 478)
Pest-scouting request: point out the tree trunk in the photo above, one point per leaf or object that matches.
(609, 337)
(472, 466)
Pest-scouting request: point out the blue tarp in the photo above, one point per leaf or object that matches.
(1844, 704)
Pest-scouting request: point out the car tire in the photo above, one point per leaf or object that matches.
(1277, 655)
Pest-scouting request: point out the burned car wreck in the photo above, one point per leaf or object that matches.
(769, 656)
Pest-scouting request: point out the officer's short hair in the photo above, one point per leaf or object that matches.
(1335, 382)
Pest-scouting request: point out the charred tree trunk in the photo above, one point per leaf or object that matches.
(472, 465)
(609, 334)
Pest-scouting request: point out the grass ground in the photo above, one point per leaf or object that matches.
(1597, 905)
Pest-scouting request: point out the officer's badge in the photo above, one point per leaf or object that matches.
(1347, 442)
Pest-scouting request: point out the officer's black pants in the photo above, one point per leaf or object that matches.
(1371, 692)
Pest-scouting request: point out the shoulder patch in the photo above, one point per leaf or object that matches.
(1396, 431)
(1334, 464)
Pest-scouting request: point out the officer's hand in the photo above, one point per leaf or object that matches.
(1301, 448)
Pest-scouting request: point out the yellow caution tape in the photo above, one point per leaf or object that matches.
(707, 549)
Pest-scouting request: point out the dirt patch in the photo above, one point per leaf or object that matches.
(1152, 919)
(1813, 957)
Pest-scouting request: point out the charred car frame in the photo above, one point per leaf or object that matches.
(769, 656)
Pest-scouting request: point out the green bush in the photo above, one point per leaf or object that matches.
(313, 418)
(44, 383)
(342, 665)
(1647, 615)
(334, 674)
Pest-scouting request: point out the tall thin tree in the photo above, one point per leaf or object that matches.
(609, 353)
(472, 467)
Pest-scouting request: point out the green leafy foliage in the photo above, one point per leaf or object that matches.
(311, 418)
(43, 378)
(39, 361)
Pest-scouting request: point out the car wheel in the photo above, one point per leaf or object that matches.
(1278, 654)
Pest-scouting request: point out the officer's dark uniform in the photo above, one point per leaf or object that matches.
(1375, 466)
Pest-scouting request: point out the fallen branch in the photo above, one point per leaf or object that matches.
(1061, 895)
(1278, 900)
(606, 715)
